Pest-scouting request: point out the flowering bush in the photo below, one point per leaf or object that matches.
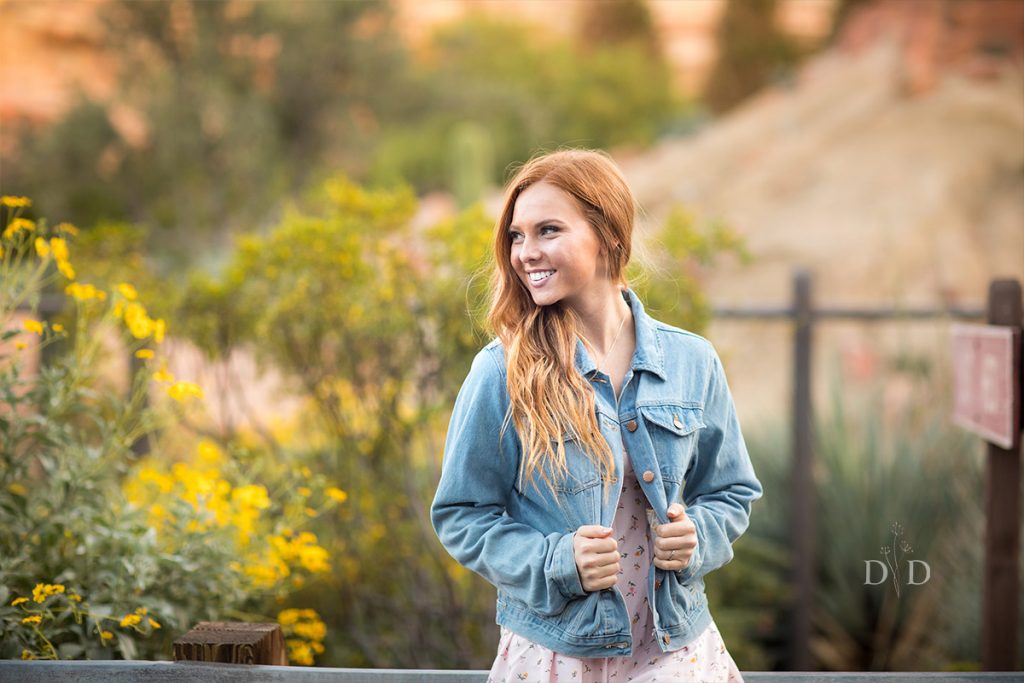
(104, 553)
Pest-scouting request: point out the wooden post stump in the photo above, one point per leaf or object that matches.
(232, 642)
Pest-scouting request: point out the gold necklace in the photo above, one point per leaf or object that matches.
(613, 341)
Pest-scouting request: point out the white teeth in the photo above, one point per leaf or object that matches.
(540, 275)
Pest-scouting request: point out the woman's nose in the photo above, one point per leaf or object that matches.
(529, 250)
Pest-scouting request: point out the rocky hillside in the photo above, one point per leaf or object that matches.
(892, 168)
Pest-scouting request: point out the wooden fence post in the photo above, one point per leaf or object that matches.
(232, 642)
(802, 522)
(1000, 611)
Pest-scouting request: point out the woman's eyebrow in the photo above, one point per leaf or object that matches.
(541, 221)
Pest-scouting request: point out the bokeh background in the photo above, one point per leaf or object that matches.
(244, 259)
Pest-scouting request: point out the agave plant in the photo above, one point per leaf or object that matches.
(896, 494)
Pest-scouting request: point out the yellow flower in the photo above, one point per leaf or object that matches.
(20, 345)
(337, 494)
(208, 452)
(15, 202)
(159, 328)
(34, 326)
(34, 619)
(42, 248)
(17, 225)
(288, 617)
(181, 391)
(60, 248)
(304, 491)
(17, 489)
(142, 610)
(57, 327)
(152, 623)
(68, 228)
(144, 353)
(163, 375)
(300, 652)
(130, 620)
(127, 291)
(76, 597)
(44, 590)
(27, 654)
(252, 495)
(312, 630)
(106, 635)
(84, 292)
(67, 271)
(314, 558)
(139, 324)
(18, 601)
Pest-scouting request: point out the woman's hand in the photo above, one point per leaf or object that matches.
(675, 540)
(597, 557)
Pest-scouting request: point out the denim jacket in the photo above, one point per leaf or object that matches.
(676, 421)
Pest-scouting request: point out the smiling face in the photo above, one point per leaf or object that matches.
(548, 233)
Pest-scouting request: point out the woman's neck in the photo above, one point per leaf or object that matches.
(603, 321)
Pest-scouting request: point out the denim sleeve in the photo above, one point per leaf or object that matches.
(467, 512)
(720, 484)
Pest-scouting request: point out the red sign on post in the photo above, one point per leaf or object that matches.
(986, 382)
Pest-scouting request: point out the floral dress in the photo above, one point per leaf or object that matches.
(705, 659)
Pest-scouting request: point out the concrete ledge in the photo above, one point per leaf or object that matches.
(119, 671)
(15, 671)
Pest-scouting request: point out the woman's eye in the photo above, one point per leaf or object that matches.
(515, 235)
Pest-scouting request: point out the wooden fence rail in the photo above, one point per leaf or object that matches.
(97, 671)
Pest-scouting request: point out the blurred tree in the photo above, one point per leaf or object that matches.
(617, 22)
(752, 52)
(222, 109)
(532, 90)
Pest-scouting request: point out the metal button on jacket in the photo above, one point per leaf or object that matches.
(631, 425)
(676, 422)
(648, 476)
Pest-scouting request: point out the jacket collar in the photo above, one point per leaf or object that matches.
(647, 356)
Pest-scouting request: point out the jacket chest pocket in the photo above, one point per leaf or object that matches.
(674, 431)
(579, 488)
(576, 492)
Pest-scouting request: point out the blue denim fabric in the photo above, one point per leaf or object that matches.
(676, 420)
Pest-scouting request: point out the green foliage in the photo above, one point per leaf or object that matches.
(224, 109)
(103, 555)
(669, 275)
(537, 89)
(221, 110)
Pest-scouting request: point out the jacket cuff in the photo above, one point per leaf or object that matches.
(687, 573)
(566, 576)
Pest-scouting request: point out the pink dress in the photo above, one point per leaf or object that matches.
(705, 659)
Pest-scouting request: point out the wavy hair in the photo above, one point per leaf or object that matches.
(549, 400)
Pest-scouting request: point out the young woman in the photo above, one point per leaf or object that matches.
(630, 424)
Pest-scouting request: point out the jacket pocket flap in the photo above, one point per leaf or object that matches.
(679, 420)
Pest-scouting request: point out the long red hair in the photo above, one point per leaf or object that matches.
(550, 400)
